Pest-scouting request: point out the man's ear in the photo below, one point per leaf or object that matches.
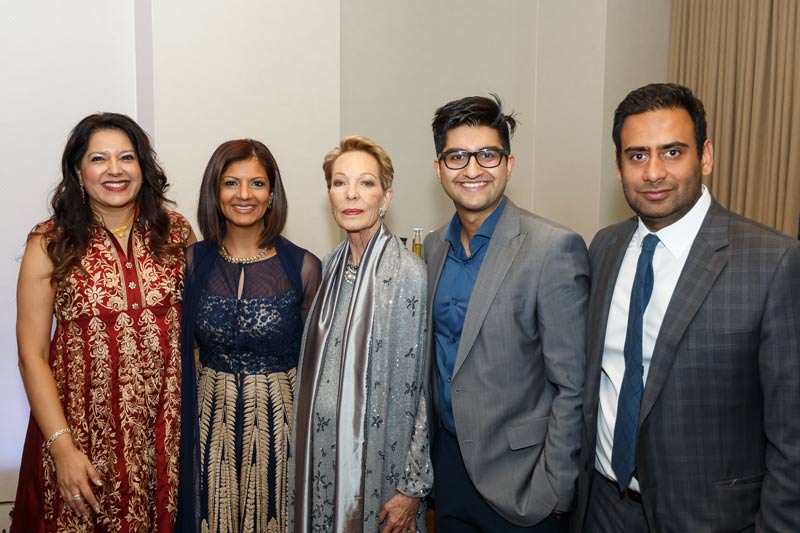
(707, 159)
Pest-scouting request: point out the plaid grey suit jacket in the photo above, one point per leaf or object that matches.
(719, 429)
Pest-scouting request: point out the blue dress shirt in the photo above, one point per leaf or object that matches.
(451, 299)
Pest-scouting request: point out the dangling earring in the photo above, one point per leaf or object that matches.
(269, 205)
(83, 191)
(381, 212)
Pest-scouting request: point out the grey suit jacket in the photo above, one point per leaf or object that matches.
(516, 385)
(719, 429)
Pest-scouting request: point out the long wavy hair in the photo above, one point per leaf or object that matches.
(73, 219)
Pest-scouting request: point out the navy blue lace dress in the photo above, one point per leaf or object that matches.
(248, 325)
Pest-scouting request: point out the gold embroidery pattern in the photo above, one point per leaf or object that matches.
(104, 436)
(118, 376)
(135, 416)
(238, 479)
(170, 400)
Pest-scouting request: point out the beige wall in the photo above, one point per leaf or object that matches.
(298, 75)
(568, 99)
(402, 60)
(559, 64)
(636, 45)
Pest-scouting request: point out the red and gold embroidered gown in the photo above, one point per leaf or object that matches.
(115, 356)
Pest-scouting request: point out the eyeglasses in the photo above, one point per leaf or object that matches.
(485, 157)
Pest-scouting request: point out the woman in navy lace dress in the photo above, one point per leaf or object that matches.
(247, 290)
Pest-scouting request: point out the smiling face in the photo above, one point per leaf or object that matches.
(475, 191)
(110, 172)
(356, 193)
(660, 171)
(244, 194)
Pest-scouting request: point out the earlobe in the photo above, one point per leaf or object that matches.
(510, 165)
(387, 197)
(437, 169)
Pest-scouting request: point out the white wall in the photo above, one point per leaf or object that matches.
(60, 62)
(265, 70)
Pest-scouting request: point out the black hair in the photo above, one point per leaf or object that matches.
(473, 111)
(658, 96)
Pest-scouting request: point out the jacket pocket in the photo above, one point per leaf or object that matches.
(739, 481)
(527, 433)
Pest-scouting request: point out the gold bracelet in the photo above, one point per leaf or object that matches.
(54, 436)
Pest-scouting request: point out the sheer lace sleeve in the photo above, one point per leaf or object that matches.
(310, 275)
(188, 255)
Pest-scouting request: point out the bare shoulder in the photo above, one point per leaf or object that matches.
(36, 265)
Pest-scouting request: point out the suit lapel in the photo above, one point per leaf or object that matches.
(503, 247)
(435, 254)
(703, 265)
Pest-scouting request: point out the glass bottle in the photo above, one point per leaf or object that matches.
(416, 245)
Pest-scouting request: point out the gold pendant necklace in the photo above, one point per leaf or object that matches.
(122, 230)
(242, 260)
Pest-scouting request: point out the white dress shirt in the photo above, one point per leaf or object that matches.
(668, 261)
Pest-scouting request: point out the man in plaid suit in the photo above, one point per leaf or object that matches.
(692, 394)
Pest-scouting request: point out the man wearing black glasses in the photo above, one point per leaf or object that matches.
(507, 295)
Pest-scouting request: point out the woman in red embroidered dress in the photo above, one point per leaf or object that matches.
(102, 445)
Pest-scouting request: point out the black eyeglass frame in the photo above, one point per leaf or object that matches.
(503, 153)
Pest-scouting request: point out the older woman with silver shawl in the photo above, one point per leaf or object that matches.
(361, 452)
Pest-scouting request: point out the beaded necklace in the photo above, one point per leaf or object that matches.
(243, 260)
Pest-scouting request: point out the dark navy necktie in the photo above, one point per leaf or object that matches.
(623, 454)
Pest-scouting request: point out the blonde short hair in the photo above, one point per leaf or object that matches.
(357, 143)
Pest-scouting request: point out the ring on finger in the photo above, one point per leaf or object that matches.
(77, 497)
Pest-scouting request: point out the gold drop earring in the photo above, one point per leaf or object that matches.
(83, 190)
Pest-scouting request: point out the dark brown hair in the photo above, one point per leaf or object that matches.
(209, 216)
(73, 220)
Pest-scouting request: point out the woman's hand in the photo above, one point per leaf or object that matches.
(73, 472)
(400, 514)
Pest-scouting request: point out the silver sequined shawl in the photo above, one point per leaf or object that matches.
(386, 407)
